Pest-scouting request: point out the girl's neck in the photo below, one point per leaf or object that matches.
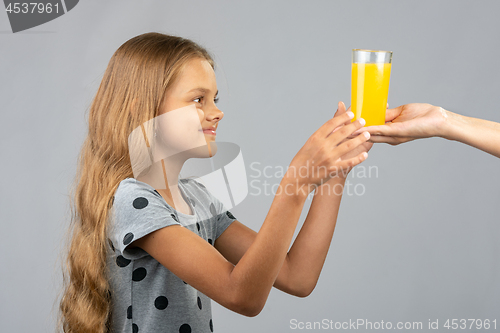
(163, 176)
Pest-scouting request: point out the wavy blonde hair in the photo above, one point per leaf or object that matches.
(130, 93)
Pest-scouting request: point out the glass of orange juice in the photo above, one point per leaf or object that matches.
(371, 71)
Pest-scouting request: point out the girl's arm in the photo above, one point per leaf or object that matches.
(308, 252)
(303, 263)
(244, 287)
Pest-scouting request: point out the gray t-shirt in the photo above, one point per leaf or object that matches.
(146, 296)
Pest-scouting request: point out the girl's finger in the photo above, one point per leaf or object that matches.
(359, 131)
(327, 128)
(346, 123)
(349, 145)
(346, 130)
(336, 129)
(352, 162)
(340, 109)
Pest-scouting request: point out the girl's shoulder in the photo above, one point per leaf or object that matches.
(133, 187)
(140, 194)
(131, 184)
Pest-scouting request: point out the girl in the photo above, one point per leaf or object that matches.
(148, 257)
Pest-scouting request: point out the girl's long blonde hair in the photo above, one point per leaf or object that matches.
(130, 93)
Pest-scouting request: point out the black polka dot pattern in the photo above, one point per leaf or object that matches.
(128, 238)
(140, 203)
(121, 261)
(139, 274)
(212, 209)
(161, 302)
(185, 328)
(129, 312)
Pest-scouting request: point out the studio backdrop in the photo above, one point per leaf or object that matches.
(416, 242)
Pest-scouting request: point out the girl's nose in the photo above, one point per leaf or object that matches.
(215, 114)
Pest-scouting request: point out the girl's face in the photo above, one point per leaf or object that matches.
(188, 117)
(196, 85)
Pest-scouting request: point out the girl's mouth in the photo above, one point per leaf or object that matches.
(209, 131)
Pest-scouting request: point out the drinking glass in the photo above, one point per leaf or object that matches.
(371, 71)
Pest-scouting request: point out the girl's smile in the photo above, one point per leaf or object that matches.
(209, 130)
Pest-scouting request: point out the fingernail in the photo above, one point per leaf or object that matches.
(350, 114)
(366, 134)
(362, 121)
(365, 155)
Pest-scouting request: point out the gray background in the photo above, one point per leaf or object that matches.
(420, 243)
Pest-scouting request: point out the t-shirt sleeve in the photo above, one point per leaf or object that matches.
(223, 216)
(136, 212)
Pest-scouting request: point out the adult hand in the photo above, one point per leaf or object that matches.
(409, 122)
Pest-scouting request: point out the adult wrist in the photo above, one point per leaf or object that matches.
(453, 126)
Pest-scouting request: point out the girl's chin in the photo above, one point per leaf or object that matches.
(208, 150)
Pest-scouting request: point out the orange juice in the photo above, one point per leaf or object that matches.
(369, 90)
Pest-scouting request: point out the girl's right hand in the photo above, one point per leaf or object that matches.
(320, 157)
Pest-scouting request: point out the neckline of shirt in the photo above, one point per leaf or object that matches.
(186, 199)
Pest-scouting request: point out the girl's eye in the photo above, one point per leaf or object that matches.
(197, 100)
(216, 100)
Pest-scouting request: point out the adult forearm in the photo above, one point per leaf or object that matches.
(478, 133)
(254, 275)
(309, 250)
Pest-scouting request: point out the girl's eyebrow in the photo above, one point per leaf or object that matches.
(202, 90)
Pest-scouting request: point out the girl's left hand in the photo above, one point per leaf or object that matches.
(365, 147)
